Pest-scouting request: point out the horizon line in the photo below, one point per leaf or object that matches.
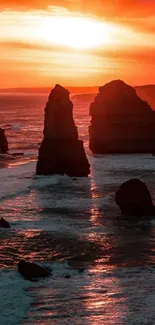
(67, 87)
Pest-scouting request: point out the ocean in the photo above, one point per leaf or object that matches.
(103, 267)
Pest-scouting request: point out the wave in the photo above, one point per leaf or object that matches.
(16, 293)
(14, 127)
(15, 144)
(17, 127)
(14, 298)
(16, 180)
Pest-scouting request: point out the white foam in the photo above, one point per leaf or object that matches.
(44, 181)
(14, 298)
(17, 127)
(21, 178)
(16, 180)
(60, 269)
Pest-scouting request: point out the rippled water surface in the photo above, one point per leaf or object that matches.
(102, 266)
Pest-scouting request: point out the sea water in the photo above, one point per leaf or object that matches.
(102, 266)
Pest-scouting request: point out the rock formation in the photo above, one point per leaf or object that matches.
(31, 270)
(4, 223)
(147, 93)
(134, 198)
(61, 152)
(121, 121)
(3, 142)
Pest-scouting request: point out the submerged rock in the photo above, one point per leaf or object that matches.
(16, 154)
(67, 276)
(61, 152)
(4, 223)
(121, 121)
(134, 198)
(3, 142)
(32, 270)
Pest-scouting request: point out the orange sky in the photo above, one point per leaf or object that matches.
(76, 42)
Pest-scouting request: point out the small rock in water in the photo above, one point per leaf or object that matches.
(32, 270)
(67, 276)
(81, 270)
(3, 142)
(4, 223)
(17, 154)
(134, 198)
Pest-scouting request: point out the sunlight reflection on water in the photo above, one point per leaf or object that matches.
(102, 266)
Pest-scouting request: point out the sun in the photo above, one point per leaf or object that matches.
(75, 32)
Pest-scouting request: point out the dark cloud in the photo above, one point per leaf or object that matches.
(130, 54)
(118, 8)
(31, 46)
(146, 25)
(32, 4)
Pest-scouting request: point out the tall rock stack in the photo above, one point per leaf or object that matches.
(3, 142)
(61, 152)
(121, 121)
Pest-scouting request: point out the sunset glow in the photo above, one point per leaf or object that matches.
(76, 32)
(40, 46)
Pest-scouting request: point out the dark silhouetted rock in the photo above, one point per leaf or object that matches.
(30, 270)
(3, 142)
(134, 198)
(16, 154)
(61, 152)
(67, 276)
(81, 270)
(4, 223)
(147, 93)
(121, 121)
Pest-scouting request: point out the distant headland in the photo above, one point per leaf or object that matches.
(146, 92)
(72, 89)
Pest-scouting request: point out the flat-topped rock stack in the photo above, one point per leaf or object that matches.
(121, 121)
(61, 152)
(3, 142)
